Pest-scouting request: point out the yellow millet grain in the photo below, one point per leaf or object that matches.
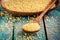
(27, 5)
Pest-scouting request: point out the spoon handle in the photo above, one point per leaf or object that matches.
(45, 10)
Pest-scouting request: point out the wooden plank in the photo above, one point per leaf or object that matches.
(5, 29)
(52, 22)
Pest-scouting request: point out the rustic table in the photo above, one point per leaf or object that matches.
(50, 27)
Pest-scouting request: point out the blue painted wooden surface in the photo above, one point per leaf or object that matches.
(5, 29)
(17, 29)
(52, 22)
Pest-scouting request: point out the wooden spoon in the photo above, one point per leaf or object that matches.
(37, 20)
(45, 11)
